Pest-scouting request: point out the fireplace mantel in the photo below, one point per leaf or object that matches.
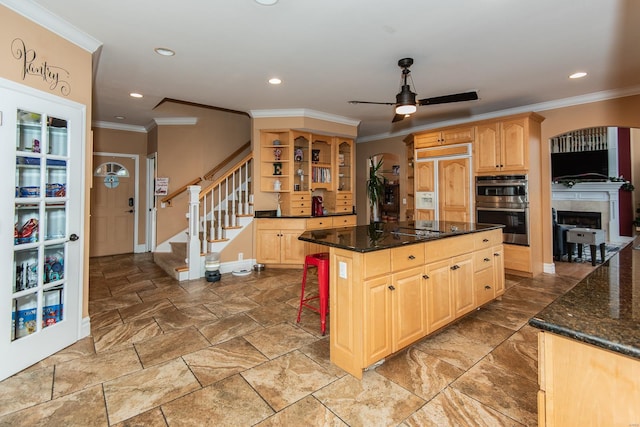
(589, 192)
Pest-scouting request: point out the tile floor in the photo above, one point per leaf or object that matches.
(164, 353)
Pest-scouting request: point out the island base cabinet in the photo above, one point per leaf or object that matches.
(583, 385)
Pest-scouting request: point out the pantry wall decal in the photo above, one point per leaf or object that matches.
(55, 77)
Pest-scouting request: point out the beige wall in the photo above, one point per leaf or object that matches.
(186, 152)
(135, 143)
(58, 52)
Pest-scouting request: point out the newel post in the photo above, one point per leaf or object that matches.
(193, 235)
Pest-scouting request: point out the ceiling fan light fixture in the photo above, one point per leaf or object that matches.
(406, 101)
(406, 109)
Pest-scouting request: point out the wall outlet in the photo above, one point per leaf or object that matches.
(240, 256)
(163, 205)
(404, 201)
(342, 268)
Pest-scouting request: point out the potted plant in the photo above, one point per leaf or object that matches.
(375, 188)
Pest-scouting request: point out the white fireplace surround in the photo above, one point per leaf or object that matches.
(583, 195)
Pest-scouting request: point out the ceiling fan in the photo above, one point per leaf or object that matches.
(406, 103)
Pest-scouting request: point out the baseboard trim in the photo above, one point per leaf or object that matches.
(549, 268)
(85, 327)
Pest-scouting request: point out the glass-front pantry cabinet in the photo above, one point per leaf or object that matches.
(40, 224)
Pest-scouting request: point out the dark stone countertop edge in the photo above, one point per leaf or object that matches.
(416, 240)
(585, 338)
(272, 215)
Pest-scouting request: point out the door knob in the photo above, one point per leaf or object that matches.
(74, 237)
(130, 211)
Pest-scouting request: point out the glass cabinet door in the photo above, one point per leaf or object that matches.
(40, 223)
(301, 162)
(345, 161)
(40, 312)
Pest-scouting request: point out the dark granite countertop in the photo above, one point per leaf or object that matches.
(374, 237)
(603, 309)
(272, 214)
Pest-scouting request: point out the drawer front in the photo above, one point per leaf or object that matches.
(344, 209)
(488, 239)
(300, 204)
(344, 221)
(376, 263)
(319, 223)
(301, 211)
(344, 196)
(344, 202)
(407, 256)
(296, 197)
(447, 248)
(482, 259)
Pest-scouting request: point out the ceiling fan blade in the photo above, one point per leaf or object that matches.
(457, 97)
(369, 102)
(397, 118)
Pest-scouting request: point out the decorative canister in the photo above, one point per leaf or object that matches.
(277, 185)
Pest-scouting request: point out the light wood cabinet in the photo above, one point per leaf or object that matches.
(277, 238)
(402, 294)
(503, 146)
(277, 241)
(440, 310)
(446, 136)
(585, 385)
(454, 190)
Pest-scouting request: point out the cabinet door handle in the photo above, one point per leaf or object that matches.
(392, 288)
(455, 267)
(425, 276)
(487, 287)
(412, 257)
(496, 254)
(485, 240)
(487, 259)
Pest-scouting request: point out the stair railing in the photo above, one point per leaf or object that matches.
(209, 220)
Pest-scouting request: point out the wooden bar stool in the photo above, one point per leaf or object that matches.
(321, 262)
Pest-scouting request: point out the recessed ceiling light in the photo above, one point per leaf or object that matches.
(135, 95)
(119, 117)
(275, 81)
(267, 2)
(164, 51)
(578, 75)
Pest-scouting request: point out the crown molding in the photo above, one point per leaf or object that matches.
(303, 112)
(536, 108)
(118, 126)
(45, 18)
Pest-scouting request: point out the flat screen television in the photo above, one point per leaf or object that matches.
(584, 165)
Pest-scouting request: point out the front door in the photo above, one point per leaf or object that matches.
(41, 225)
(112, 205)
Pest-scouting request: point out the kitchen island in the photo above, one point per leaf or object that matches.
(395, 283)
(589, 348)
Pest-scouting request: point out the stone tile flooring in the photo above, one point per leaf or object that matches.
(230, 353)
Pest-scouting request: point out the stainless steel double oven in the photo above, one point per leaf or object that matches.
(504, 199)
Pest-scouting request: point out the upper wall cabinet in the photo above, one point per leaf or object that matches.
(447, 136)
(503, 146)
